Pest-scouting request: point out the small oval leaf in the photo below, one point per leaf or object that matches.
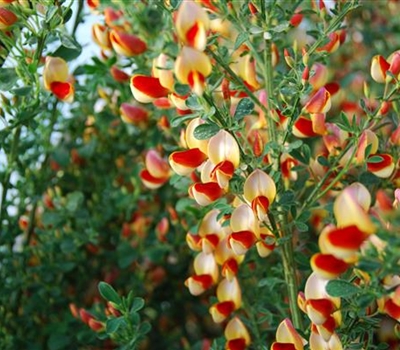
(109, 293)
(205, 131)
(340, 288)
(244, 107)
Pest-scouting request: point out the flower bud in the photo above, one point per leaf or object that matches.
(119, 75)
(7, 18)
(332, 45)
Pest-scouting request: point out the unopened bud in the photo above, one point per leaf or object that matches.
(258, 144)
(252, 8)
(288, 59)
(385, 107)
(306, 56)
(305, 75)
(366, 89)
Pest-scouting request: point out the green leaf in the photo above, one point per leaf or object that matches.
(282, 27)
(369, 265)
(244, 107)
(8, 78)
(183, 203)
(301, 226)
(58, 341)
(74, 201)
(341, 288)
(52, 218)
(137, 304)
(375, 159)
(369, 179)
(182, 118)
(126, 255)
(113, 324)
(286, 198)
(66, 53)
(241, 38)
(50, 13)
(208, 113)
(323, 161)
(294, 145)
(205, 131)
(109, 293)
(144, 328)
(175, 3)
(69, 42)
(22, 91)
(181, 89)
(193, 103)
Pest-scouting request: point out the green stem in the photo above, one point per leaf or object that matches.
(77, 18)
(289, 269)
(6, 182)
(289, 264)
(269, 91)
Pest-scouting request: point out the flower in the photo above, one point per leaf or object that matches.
(192, 67)
(55, 79)
(191, 24)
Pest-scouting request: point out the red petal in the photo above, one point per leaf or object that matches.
(149, 85)
(236, 344)
(392, 309)
(324, 306)
(349, 237)
(329, 263)
(304, 126)
(213, 239)
(61, 90)
(283, 346)
(191, 34)
(332, 88)
(145, 175)
(261, 201)
(231, 265)
(225, 308)
(191, 158)
(246, 238)
(205, 280)
(210, 189)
